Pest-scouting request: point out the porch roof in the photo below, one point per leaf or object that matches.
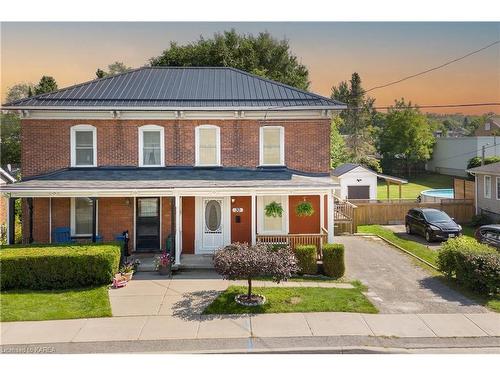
(138, 180)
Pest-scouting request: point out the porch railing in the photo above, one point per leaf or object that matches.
(294, 240)
(343, 210)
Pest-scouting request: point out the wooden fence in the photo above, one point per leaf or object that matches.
(386, 212)
(463, 189)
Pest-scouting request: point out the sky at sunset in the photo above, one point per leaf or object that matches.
(379, 52)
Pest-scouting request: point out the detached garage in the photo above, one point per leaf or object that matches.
(359, 182)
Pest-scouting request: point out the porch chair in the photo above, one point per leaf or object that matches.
(62, 235)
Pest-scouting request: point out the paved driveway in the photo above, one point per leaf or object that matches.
(400, 231)
(396, 284)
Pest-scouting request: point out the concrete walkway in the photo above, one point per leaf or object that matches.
(144, 328)
(396, 284)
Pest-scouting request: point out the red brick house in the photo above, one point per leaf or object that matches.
(190, 154)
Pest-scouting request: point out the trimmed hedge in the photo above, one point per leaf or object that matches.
(306, 259)
(333, 260)
(58, 267)
(474, 265)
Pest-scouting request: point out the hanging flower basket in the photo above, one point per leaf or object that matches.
(273, 209)
(304, 209)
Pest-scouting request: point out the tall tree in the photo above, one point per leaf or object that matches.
(46, 84)
(337, 143)
(262, 55)
(406, 138)
(357, 118)
(10, 139)
(18, 91)
(115, 68)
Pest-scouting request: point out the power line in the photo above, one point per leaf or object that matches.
(446, 105)
(434, 68)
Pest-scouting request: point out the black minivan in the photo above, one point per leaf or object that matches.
(432, 224)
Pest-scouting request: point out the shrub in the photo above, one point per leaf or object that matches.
(241, 261)
(333, 260)
(474, 265)
(58, 267)
(306, 259)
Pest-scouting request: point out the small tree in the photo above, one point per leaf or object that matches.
(241, 261)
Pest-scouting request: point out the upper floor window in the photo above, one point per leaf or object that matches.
(487, 186)
(207, 139)
(272, 145)
(487, 126)
(83, 146)
(151, 146)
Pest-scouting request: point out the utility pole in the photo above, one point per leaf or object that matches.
(482, 154)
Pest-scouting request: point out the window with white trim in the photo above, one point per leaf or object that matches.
(83, 146)
(81, 216)
(207, 139)
(151, 146)
(487, 186)
(498, 188)
(270, 224)
(272, 145)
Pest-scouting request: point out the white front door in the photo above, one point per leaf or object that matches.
(212, 228)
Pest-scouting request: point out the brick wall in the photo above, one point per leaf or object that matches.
(46, 143)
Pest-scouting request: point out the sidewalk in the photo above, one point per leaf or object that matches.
(144, 328)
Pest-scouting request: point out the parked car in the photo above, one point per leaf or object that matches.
(489, 234)
(432, 224)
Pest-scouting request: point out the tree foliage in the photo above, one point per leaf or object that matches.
(262, 55)
(338, 153)
(357, 118)
(19, 91)
(113, 69)
(46, 84)
(241, 261)
(406, 136)
(10, 139)
(476, 161)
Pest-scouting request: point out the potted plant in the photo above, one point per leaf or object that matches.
(274, 209)
(304, 209)
(127, 270)
(163, 263)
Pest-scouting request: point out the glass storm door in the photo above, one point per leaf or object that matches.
(213, 231)
(148, 224)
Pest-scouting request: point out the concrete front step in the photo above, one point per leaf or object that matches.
(188, 261)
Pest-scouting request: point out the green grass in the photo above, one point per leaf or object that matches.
(430, 256)
(413, 247)
(283, 300)
(415, 185)
(54, 304)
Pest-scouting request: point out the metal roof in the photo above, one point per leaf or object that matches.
(132, 178)
(179, 88)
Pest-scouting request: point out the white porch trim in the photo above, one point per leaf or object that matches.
(177, 218)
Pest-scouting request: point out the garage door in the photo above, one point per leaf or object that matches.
(358, 192)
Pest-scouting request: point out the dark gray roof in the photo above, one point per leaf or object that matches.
(179, 88)
(131, 178)
(493, 168)
(344, 168)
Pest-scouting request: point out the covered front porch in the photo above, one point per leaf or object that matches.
(188, 217)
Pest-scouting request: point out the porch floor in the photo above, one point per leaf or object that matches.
(191, 261)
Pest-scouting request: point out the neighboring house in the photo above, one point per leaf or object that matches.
(5, 178)
(488, 190)
(188, 154)
(359, 182)
(451, 155)
(490, 127)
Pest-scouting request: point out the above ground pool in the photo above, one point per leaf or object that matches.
(435, 195)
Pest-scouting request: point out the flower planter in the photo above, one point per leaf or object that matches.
(128, 276)
(165, 270)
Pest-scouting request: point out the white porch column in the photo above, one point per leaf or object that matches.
(330, 209)
(322, 211)
(253, 218)
(177, 230)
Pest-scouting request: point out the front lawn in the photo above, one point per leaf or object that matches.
(415, 185)
(54, 304)
(281, 300)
